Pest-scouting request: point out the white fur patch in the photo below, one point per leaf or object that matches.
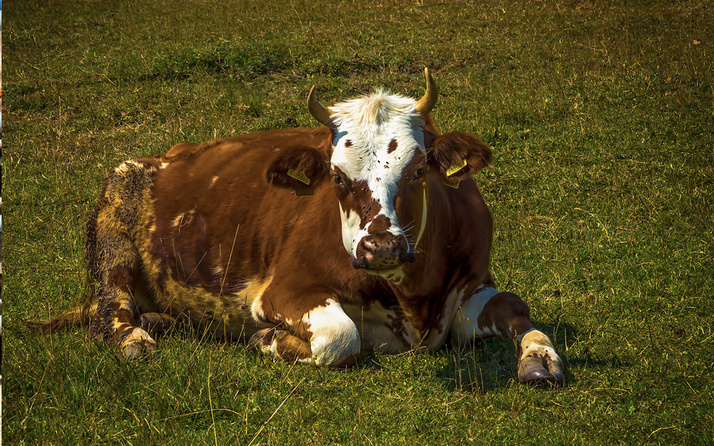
(255, 292)
(334, 335)
(351, 232)
(183, 219)
(464, 326)
(127, 166)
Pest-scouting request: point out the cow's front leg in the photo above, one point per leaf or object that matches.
(490, 313)
(281, 344)
(324, 336)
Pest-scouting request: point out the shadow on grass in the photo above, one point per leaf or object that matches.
(568, 344)
(488, 364)
(479, 368)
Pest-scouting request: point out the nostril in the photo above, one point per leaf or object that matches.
(383, 250)
(359, 263)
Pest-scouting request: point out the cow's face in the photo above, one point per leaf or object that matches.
(377, 140)
(380, 155)
(378, 159)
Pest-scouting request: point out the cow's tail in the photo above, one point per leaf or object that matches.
(79, 316)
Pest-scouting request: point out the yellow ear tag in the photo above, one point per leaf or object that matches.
(455, 167)
(299, 175)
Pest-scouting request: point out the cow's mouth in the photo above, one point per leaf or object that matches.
(382, 265)
(395, 275)
(383, 271)
(383, 254)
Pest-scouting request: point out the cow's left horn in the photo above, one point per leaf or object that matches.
(317, 110)
(426, 103)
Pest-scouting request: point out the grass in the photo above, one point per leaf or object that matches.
(600, 115)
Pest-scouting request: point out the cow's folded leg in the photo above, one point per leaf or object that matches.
(334, 340)
(117, 272)
(281, 344)
(490, 313)
(115, 324)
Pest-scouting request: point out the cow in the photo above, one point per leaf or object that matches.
(309, 244)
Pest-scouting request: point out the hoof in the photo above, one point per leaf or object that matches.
(538, 368)
(137, 343)
(262, 339)
(539, 363)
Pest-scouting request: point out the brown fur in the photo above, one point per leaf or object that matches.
(167, 227)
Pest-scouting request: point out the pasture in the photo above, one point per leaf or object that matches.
(600, 115)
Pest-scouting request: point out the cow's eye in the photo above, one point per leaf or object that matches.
(419, 173)
(343, 184)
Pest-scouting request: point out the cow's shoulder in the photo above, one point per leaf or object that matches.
(245, 165)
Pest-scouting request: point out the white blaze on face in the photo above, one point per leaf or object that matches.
(375, 139)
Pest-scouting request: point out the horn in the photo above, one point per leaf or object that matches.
(426, 103)
(317, 110)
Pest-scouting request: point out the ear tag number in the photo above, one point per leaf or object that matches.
(455, 167)
(300, 176)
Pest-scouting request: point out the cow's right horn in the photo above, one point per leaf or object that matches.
(317, 110)
(426, 103)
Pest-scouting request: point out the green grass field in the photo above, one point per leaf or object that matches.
(601, 118)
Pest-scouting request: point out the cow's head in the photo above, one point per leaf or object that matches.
(380, 155)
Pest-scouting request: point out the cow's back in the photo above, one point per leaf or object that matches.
(214, 227)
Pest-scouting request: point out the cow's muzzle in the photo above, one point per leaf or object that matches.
(382, 252)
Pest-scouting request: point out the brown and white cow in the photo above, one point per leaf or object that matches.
(310, 244)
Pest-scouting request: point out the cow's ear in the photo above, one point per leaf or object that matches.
(300, 169)
(457, 155)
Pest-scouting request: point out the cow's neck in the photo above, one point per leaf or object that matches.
(430, 285)
(423, 298)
